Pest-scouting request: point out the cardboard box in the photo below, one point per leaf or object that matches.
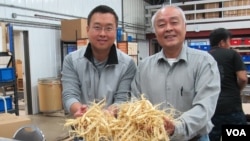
(209, 15)
(246, 108)
(243, 2)
(230, 13)
(123, 46)
(199, 16)
(19, 69)
(3, 37)
(243, 12)
(230, 3)
(212, 5)
(190, 16)
(10, 123)
(212, 15)
(82, 43)
(19, 84)
(72, 30)
(132, 48)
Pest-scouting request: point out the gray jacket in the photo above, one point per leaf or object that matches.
(82, 83)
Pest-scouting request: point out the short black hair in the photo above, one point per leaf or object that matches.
(218, 35)
(102, 9)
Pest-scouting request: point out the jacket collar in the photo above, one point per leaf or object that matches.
(112, 58)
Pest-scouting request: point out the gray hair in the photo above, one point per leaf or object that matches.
(165, 7)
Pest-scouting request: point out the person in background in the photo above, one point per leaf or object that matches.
(99, 71)
(179, 77)
(233, 80)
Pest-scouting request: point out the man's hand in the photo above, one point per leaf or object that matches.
(80, 111)
(169, 126)
(113, 110)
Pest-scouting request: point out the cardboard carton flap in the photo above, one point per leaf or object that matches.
(12, 123)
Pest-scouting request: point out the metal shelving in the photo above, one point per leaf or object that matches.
(11, 63)
(70, 46)
(242, 46)
(67, 47)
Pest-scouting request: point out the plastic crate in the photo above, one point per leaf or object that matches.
(235, 41)
(205, 47)
(246, 58)
(119, 34)
(194, 46)
(247, 41)
(248, 68)
(7, 74)
(8, 100)
(130, 38)
(71, 48)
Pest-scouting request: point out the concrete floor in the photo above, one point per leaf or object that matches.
(52, 125)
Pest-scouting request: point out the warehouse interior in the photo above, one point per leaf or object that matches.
(40, 33)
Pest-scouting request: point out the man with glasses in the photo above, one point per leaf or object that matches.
(99, 71)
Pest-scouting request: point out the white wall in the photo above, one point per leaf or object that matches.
(134, 12)
(79, 8)
(44, 43)
(143, 50)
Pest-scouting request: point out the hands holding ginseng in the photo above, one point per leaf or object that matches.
(113, 110)
(78, 109)
(169, 126)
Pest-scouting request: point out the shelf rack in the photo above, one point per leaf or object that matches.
(11, 83)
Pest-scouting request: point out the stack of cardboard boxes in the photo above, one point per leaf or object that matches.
(73, 34)
(235, 3)
(243, 12)
(212, 14)
(73, 30)
(230, 13)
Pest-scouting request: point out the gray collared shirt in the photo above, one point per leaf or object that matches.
(191, 86)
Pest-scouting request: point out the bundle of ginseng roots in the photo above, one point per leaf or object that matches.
(137, 120)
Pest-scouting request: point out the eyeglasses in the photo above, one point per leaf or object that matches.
(106, 29)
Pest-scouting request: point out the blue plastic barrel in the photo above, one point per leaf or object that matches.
(119, 34)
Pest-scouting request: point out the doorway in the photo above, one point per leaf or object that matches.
(155, 47)
(21, 46)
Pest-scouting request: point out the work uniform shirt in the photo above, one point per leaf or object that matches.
(191, 85)
(83, 82)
